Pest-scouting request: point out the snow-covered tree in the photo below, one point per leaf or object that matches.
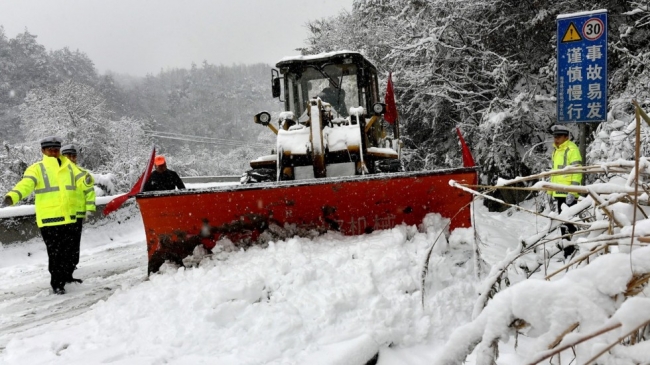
(76, 113)
(486, 66)
(72, 65)
(73, 111)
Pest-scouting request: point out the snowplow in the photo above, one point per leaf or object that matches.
(336, 167)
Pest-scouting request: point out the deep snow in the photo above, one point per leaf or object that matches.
(331, 299)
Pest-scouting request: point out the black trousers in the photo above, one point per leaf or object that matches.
(562, 200)
(75, 251)
(60, 242)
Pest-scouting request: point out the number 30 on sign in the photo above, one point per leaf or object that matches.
(593, 29)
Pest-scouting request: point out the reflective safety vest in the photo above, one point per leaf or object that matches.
(566, 154)
(85, 192)
(55, 190)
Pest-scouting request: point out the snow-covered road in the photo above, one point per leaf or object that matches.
(297, 301)
(113, 255)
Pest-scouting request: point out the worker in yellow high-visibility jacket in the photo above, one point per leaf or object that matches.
(565, 154)
(85, 201)
(52, 180)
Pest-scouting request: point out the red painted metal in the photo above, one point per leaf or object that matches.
(116, 203)
(177, 221)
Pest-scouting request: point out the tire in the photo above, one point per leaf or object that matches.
(258, 175)
(388, 166)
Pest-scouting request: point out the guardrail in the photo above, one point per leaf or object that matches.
(209, 179)
(18, 223)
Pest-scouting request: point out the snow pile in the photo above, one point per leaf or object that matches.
(339, 137)
(104, 184)
(544, 310)
(295, 140)
(286, 116)
(615, 139)
(316, 56)
(342, 137)
(598, 296)
(358, 111)
(333, 299)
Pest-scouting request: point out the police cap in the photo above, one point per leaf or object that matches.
(51, 142)
(559, 130)
(69, 149)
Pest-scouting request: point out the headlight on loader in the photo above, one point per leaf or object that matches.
(263, 118)
(379, 108)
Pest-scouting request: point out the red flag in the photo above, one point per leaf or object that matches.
(391, 109)
(117, 202)
(468, 159)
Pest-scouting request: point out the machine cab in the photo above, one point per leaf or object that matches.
(332, 124)
(344, 80)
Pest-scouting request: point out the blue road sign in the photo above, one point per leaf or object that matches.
(582, 67)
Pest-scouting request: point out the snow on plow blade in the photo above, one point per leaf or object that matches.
(177, 221)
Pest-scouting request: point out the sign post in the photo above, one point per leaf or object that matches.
(582, 69)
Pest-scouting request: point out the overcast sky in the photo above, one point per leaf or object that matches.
(145, 36)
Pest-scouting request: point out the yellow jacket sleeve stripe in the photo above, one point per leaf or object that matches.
(26, 185)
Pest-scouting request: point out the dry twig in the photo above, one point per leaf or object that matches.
(637, 284)
(616, 342)
(561, 336)
(575, 261)
(547, 354)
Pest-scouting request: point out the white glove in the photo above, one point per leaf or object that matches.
(570, 198)
(88, 214)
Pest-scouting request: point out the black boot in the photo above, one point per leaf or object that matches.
(59, 291)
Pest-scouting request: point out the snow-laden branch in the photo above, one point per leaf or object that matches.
(586, 296)
(615, 167)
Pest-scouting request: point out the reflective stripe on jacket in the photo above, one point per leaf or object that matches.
(85, 192)
(566, 154)
(54, 191)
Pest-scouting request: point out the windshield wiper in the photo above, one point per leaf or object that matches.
(328, 77)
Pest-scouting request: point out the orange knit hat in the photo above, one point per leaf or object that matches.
(159, 160)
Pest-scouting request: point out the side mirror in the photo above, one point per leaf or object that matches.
(275, 83)
(276, 88)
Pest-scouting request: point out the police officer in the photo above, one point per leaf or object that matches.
(85, 201)
(52, 180)
(566, 153)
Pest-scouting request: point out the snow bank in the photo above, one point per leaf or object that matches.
(297, 301)
(546, 309)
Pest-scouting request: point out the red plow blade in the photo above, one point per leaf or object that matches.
(177, 221)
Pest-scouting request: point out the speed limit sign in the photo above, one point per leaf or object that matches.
(593, 29)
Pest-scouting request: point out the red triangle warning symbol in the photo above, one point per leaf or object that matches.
(571, 34)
